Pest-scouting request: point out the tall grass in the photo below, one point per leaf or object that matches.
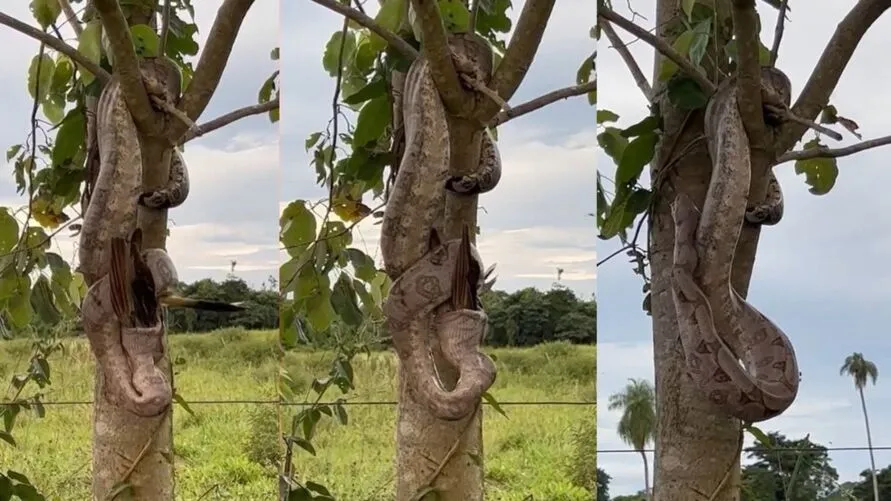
(231, 452)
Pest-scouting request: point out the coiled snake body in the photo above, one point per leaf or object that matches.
(717, 326)
(424, 269)
(127, 343)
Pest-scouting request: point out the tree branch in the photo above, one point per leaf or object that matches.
(228, 118)
(71, 17)
(748, 69)
(165, 28)
(542, 101)
(213, 61)
(126, 64)
(831, 65)
(520, 52)
(397, 43)
(642, 83)
(56, 44)
(778, 32)
(661, 45)
(435, 47)
(824, 152)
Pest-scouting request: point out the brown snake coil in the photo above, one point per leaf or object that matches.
(718, 327)
(415, 306)
(126, 355)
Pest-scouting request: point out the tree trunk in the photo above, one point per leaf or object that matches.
(695, 448)
(872, 459)
(648, 495)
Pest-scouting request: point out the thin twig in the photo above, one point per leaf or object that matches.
(792, 117)
(232, 116)
(660, 45)
(71, 17)
(397, 43)
(165, 28)
(542, 101)
(824, 152)
(56, 44)
(778, 33)
(642, 83)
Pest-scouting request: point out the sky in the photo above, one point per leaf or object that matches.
(536, 220)
(818, 274)
(231, 212)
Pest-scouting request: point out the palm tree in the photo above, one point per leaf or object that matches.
(860, 369)
(637, 427)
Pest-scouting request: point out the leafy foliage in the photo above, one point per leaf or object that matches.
(624, 201)
(796, 475)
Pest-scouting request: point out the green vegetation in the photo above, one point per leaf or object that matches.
(230, 451)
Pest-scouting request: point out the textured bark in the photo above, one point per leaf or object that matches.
(694, 447)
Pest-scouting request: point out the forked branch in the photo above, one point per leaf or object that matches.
(435, 47)
(642, 83)
(542, 101)
(228, 118)
(520, 52)
(397, 43)
(56, 44)
(824, 152)
(660, 45)
(126, 63)
(831, 65)
(213, 61)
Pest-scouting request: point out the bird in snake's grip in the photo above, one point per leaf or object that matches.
(717, 326)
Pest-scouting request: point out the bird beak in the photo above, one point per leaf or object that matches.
(174, 301)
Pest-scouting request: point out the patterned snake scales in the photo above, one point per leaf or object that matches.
(126, 346)
(718, 327)
(426, 268)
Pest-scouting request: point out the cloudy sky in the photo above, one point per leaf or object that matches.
(536, 219)
(819, 274)
(231, 213)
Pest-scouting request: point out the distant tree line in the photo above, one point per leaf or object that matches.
(260, 306)
(769, 477)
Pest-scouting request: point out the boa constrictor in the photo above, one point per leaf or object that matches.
(423, 267)
(126, 336)
(717, 326)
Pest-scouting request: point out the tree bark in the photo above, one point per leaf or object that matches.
(694, 447)
(872, 459)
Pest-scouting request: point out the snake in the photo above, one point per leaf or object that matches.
(126, 283)
(177, 189)
(717, 327)
(428, 272)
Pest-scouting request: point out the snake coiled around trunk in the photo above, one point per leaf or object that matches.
(717, 327)
(426, 271)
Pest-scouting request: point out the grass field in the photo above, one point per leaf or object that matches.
(227, 452)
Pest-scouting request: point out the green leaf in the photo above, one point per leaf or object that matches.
(7, 437)
(494, 403)
(389, 16)
(375, 88)
(62, 75)
(273, 54)
(583, 75)
(372, 122)
(319, 312)
(760, 436)
(343, 300)
(54, 108)
(455, 16)
(9, 231)
(298, 227)
(612, 142)
(182, 403)
(70, 138)
(89, 44)
(687, 6)
(636, 156)
(733, 52)
(686, 94)
(145, 40)
(45, 12)
(42, 301)
(42, 67)
(362, 263)
(682, 45)
(333, 51)
(312, 140)
(304, 444)
(19, 308)
(819, 173)
(701, 37)
(649, 124)
(13, 151)
(606, 116)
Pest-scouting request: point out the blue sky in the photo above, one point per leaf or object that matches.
(231, 212)
(819, 274)
(535, 220)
